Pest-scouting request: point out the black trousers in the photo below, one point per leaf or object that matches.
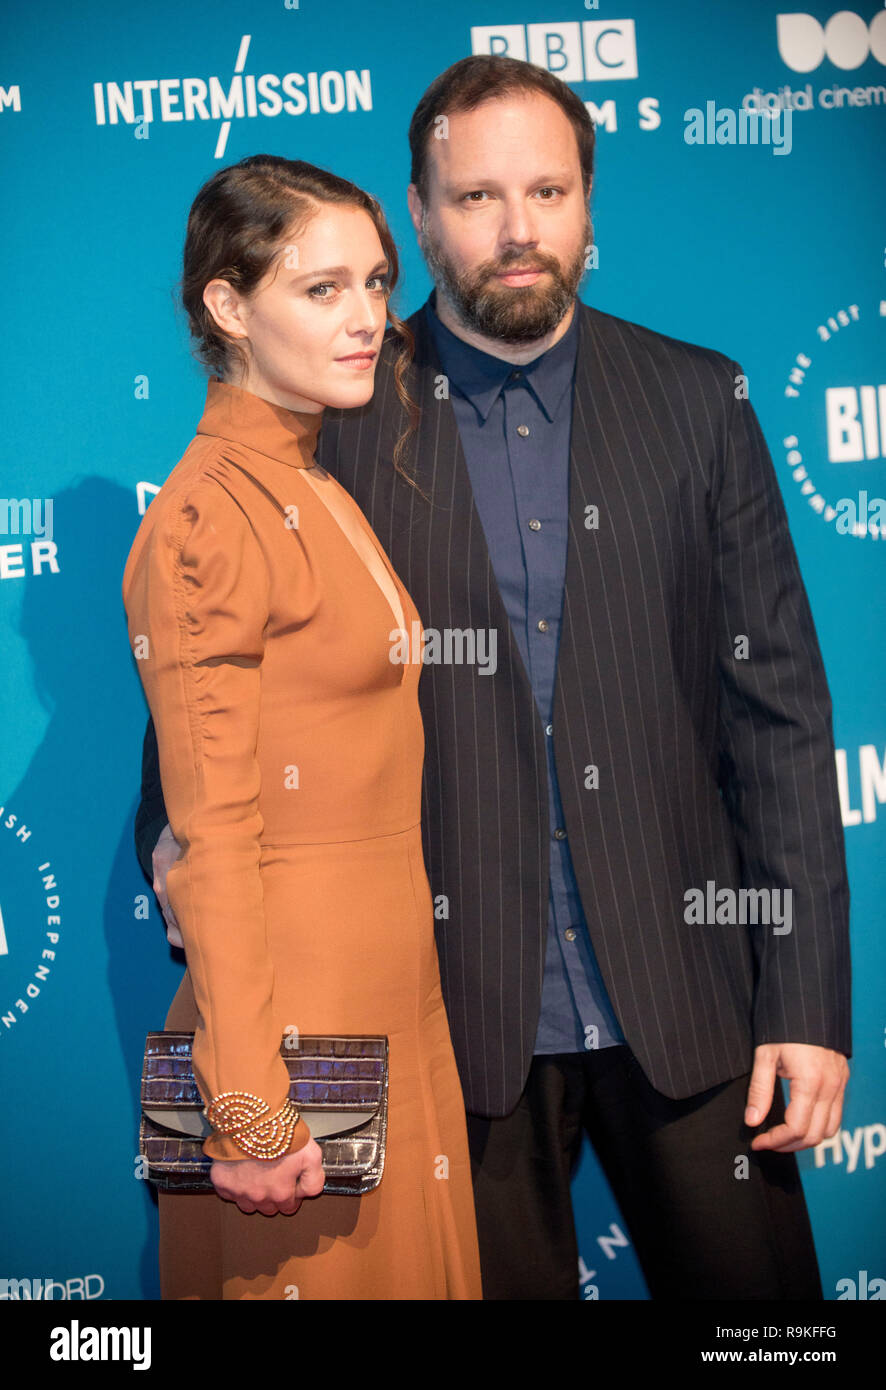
(699, 1230)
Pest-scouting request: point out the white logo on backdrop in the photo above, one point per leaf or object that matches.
(869, 783)
(14, 1006)
(591, 50)
(143, 494)
(846, 40)
(836, 447)
(242, 96)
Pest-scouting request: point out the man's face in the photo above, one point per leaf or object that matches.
(505, 230)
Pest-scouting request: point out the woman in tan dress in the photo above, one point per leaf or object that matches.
(262, 612)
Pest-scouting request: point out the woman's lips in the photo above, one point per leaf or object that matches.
(361, 361)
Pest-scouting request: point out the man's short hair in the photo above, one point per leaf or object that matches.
(472, 81)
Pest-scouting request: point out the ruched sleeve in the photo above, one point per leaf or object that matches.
(197, 596)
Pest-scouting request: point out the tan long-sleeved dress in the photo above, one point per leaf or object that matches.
(261, 610)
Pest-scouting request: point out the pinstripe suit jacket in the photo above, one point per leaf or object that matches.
(679, 763)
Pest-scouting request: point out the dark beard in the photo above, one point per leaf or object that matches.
(509, 314)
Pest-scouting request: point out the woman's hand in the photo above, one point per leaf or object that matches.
(256, 1184)
(166, 852)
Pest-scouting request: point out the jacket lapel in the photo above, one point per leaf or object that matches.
(420, 538)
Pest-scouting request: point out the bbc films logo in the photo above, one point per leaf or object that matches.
(576, 51)
(590, 50)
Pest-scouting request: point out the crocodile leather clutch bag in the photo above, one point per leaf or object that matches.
(339, 1084)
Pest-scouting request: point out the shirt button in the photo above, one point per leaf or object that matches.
(516, 374)
(523, 429)
(534, 525)
(559, 833)
(549, 729)
(542, 624)
(569, 933)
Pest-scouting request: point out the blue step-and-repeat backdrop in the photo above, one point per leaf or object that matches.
(773, 251)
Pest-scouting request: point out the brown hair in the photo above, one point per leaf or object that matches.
(472, 81)
(240, 221)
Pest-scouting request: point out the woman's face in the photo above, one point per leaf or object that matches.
(316, 322)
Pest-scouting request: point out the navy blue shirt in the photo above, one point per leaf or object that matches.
(515, 425)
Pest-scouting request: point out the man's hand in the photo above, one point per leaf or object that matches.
(271, 1186)
(166, 852)
(817, 1078)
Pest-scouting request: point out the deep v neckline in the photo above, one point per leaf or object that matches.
(355, 515)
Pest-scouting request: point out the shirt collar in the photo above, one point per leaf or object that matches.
(233, 413)
(480, 377)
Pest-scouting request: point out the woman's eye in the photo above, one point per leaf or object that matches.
(318, 291)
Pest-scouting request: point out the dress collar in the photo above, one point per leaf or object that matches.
(232, 413)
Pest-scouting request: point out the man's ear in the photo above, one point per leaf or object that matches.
(415, 207)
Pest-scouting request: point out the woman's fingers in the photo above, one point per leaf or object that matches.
(276, 1188)
(311, 1180)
